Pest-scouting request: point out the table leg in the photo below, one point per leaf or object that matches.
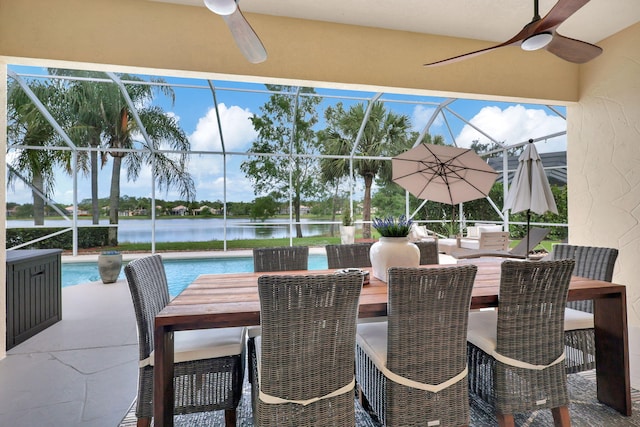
(612, 352)
(163, 393)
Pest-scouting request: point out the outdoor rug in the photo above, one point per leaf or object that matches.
(585, 411)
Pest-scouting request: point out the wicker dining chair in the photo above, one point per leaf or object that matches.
(516, 353)
(209, 364)
(428, 252)
(281, 258)
(592, 263)
(348, 255)
(302, 363)
(412, 369)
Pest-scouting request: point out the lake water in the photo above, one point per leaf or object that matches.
(192, 229)
(180, 272)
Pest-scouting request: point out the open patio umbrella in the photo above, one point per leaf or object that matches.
(443, 173)
(530, 189)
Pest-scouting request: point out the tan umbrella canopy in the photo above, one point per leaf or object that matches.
(530, 189)
(443, 173)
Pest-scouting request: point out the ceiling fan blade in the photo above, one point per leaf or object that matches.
(465, 56)
(560, 12)
(526, 31)
(246, 39)
(573, 50)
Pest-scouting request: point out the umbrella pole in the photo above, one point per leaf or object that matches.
(453, 220)
(528, 220)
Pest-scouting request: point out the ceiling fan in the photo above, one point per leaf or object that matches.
(246, 39)
(542, 34)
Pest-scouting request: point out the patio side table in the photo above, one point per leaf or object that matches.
(34, 292)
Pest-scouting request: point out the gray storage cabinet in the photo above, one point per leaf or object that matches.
(34, 292)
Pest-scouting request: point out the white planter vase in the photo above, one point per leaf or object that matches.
(393, 252)
(347, 234)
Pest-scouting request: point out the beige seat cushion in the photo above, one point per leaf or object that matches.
(576, 319)
(483, 334)
(482, 330)
(372, 338)
(447, 245)
(201, 344)
(470, 243)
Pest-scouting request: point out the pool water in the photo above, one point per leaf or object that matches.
(180, 272)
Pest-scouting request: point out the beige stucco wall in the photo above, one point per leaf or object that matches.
(177, 39)
(603, 133)
(3, 212)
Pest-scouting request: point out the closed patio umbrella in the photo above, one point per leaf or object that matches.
(443, 173)
(530, 189)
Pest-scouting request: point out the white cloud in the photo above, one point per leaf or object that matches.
(236, 125)
(421, 115)
(513, 125)
(207, 170)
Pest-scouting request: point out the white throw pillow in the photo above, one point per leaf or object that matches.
(418, 232)
(472, 233)
(489, 228)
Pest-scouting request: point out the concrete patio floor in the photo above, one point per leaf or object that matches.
(82, 371)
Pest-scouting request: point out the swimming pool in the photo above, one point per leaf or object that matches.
(180, 272)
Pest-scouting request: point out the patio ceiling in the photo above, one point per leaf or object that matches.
(489, 20)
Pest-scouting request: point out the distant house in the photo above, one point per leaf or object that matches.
(70, 209)
(179, 210)
(205, 208)
(304, 210)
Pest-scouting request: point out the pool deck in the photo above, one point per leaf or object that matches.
(176, 255)
(82, 371)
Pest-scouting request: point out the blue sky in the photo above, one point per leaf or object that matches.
(194, 107)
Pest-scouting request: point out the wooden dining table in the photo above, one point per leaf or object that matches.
(226, 300)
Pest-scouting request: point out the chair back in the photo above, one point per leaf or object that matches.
(308, 334)
(533, 296)
(281, 258)
(494, 240)
(150, 294)
(428, 314)
(591, 262)
(350, 255)
(428, 252)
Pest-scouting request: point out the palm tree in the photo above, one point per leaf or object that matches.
(104, 119)
(121, 131)
(28, 127)
(83, 98)
(383, 133)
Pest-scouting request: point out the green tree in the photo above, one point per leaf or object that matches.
(285, 127)
(104, 118)
(86, 102)
(385, 134)
(263, 208)
(28, 127)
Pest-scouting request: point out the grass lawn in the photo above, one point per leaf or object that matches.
(217, 245)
